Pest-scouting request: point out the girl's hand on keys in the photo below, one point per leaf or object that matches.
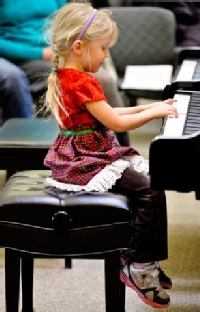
(164, 109)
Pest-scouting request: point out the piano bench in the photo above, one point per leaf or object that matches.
(41, 222)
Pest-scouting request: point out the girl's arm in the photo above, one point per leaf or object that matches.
(137, 109)
(135, 119)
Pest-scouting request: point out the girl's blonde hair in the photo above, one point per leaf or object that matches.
(66, 25)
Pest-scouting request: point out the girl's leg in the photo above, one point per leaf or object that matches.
(149, 240)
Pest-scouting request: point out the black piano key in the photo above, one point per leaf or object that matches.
(192, 113)
(192, 123)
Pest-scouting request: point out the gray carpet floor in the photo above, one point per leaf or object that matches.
(57, 289)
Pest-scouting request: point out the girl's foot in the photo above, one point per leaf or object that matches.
(146, 283)
(165, 281)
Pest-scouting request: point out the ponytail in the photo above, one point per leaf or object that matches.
(53, 99)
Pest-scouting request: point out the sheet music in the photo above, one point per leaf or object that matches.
(147, 77)
(186, 70)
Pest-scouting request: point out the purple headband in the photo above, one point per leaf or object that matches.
(89, 21)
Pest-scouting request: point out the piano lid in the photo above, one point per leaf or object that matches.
(171, 90)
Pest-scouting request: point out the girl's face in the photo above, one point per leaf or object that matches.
(96, 52)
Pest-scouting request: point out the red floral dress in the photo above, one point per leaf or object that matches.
(92, 161)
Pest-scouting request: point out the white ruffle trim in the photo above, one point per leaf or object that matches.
(140, 164)
(106, 178)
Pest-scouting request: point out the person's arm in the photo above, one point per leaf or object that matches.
(132, 119)
(60, 3)
(19, 50)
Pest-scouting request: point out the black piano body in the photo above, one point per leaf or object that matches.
(175, 163)
(175, 160)
(188, 53)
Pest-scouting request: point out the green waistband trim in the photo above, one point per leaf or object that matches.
(81, 132)
(77, 132)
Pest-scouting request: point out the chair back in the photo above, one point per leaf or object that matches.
(146, 37)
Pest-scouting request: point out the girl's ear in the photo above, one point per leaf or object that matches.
(77, 47)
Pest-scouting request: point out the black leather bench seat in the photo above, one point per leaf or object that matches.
(47, 221)
(37, 221)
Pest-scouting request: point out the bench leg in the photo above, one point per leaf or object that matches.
(10, 172)
(68, 262)
(27, 266)
(114, 288)
(12, 280)
(122, 294)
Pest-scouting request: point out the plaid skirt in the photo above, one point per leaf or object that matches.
(75, 160)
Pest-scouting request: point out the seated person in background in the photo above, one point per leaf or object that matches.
(15, 99)
(100, 3)
(22, 43)
(187, 14)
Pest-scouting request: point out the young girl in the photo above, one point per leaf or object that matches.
(86, 154)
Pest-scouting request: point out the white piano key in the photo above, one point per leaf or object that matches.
(186, 70)
(174, 126)
(182, 103)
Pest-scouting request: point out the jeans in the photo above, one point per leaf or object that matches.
(15, 100)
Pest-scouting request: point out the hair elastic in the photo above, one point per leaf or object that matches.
(88, 23)
(54, 70)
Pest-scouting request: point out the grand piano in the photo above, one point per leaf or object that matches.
(174, 155)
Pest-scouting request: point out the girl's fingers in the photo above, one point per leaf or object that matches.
(170, 101)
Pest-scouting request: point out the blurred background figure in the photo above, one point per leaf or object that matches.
(187, 14)
(100, 3)
(15, 99)
(24, 54)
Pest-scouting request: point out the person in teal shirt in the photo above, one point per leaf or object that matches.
(22, 40)
(23, 28)
(24, 53)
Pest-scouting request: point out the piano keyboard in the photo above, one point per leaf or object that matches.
(189, 70)
(188, 122)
